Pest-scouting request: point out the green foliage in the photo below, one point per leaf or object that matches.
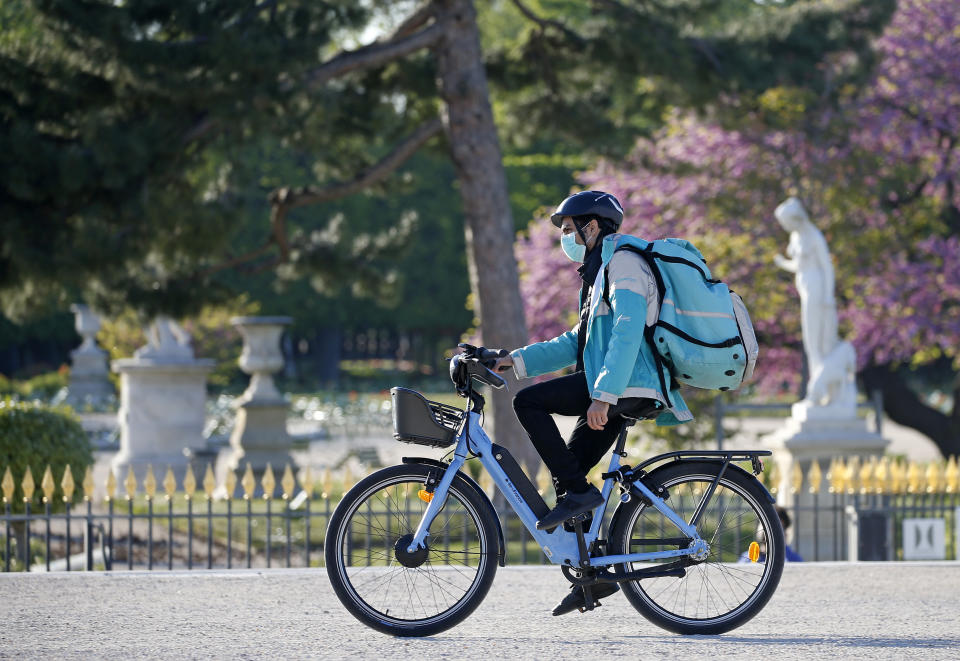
(212, 337)
(42, 386)
(38, 436)
(594, 75)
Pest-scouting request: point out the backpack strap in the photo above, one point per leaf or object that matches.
(647, 255)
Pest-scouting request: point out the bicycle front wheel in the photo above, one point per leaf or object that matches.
(725, 589)
(402, 593)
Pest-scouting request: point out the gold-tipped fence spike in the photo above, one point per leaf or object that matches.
(867, 471)
(130, 484)
(67, 485)
(230, 482)
(88, 485)
(287, 483)
(189, 483)
(884, 476)
(796, 478)
(8, 486)
(150, 483)
(249, 483)
(209, 482)
(814, 476)
(347, 478)
(934, 477)
(169, 483)
(47, 485)
(268, 483)
(851, 475)
(774, 477)
(111, 486)
(326, 484)
(951, 476)
(27, 485)
(897, 479)
(544, 479)
(835, 476)
(306, 481)
(914, 478)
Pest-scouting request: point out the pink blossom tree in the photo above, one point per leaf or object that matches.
(878, 173)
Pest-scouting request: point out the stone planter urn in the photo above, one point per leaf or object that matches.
(89, 380)
(260, 433)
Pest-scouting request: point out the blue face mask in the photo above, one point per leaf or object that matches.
(575, 251)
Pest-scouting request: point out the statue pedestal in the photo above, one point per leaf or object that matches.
(89, 378)
(819, 433)
(162, 414)
(260, 434)
(822, 433)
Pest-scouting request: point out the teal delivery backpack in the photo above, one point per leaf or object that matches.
(703, 333)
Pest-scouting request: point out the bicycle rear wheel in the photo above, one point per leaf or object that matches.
(397, 592)
(724, 590)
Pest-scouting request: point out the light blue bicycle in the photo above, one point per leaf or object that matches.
(411, 550)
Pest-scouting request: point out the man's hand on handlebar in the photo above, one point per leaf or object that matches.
(503, 364)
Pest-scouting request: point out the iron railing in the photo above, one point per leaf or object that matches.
(852, 509)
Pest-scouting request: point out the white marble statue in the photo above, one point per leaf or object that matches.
(832, 363)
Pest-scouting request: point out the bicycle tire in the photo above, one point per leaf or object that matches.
(683, 605)
(471, 573)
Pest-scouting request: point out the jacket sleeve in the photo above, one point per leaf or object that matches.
(631, 289)
(545, 357)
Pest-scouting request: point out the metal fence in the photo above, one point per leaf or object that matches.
(852, 509)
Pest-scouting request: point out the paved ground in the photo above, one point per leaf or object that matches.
(823, 611)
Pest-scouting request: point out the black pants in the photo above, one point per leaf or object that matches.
(568, 395)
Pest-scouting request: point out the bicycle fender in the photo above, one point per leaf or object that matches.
(652, 476)
(469, 481)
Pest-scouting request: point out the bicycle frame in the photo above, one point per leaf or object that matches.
(560, 546)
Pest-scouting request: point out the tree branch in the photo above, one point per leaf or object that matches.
(904, 407)
(292, 198)
(544, 23)
(415, 21)
(236, 261)
(373, 55)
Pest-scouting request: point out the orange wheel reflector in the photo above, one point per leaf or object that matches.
(426, 497)
(753, 552)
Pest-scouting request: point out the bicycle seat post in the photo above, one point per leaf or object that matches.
(622, 438)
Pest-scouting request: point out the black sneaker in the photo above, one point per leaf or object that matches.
(575, 601)
(571, 505)
(568, 524)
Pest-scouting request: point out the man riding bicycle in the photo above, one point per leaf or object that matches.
(615, 372)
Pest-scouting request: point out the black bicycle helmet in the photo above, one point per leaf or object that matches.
(590, 203)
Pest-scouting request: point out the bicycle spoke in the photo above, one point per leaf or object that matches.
(415, 593)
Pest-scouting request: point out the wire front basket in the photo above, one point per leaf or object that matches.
(424, 422)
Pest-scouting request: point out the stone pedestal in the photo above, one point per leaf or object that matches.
(819, 433)
(162, 403)
(89, 380)
(260, 432)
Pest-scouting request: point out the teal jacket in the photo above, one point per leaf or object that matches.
(617, 360)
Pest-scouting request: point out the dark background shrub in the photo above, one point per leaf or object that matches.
(35, 435)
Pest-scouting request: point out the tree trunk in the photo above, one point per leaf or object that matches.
(475, 150)
(904, 407)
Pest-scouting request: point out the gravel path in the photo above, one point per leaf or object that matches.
(824, 611)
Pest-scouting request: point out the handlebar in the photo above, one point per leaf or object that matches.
(486, 357)
(475, 363)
